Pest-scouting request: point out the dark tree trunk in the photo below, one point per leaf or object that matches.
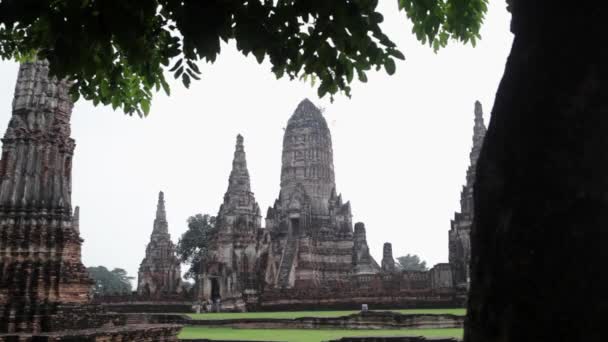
(540, 236)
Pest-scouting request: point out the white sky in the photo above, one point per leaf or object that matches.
(401, 144)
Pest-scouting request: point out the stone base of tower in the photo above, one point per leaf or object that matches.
(341, 299)
(135, 332)
(82, 323)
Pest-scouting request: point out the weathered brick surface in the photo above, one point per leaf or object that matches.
(39, 244)
(44, 287)
(309, 255)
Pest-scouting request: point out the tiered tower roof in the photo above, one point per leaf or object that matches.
(238, 198)
(307, 159)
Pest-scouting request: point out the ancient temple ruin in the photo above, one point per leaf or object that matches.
(388, 262)
(311, 230)
(459, 234)
(44, 287)
(308, 255)
(231, 272)
(159, 272)
(40, 247)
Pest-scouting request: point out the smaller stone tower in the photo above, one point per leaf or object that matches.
(388, 262)
(459, 234)
(231, 273)
(159, 272)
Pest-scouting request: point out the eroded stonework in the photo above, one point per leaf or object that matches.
(310, 226)
(308, 255)
(44, 287)
(459, 234)
(39, 244)
(232, 271)
(159, 272)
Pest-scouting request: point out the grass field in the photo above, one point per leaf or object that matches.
(296, 314)
(305, 335)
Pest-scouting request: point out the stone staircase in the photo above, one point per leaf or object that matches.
(289, 252)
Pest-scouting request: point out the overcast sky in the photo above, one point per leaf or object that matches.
(401, 144)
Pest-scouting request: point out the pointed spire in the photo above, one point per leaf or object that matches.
(160, 223)
(76, 219)
(479, 132)
(160, 207)
(306, 111)
(239, 176)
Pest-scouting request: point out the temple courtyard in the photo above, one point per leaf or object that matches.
(308, 335)
(298, 314)
(302, 335)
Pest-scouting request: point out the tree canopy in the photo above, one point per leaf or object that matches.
(115, 282)
(118, 52)
(193, 245)
(411, 262)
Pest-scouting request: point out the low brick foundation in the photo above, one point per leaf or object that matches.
(139, 333)
(393, 339)
(368, 320)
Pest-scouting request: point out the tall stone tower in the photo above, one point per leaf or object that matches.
(310, 226)
(159, 272)
(459, 234)
(308, 159)
(40, 261)
(231, 272)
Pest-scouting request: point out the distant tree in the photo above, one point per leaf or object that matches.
(193, 245)
(117, 52)
(115, 282)
(411, 262)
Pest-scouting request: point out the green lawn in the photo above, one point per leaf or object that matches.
(296, 314)
(305, 335)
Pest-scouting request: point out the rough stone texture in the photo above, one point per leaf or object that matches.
(460, 232)
(308, 256)
(441, 276)
(159, 272)
(139, 333)
(231, 272)
(388, 262)
(44, 287)
(39, 244)
(538, 243)
(312, 238)
(368, 320)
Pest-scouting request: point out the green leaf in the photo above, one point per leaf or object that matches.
(397, 54)
(145, 106)
(165, 85)
(186, 80)
(177, 65)
(115, 102)
(193, 75)
(323, 88)
(389, 65)
(179, 72)
(193, 67)
(259, 55)
(362, 76)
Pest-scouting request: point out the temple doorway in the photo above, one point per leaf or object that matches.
(215, 289)
(295, 227)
